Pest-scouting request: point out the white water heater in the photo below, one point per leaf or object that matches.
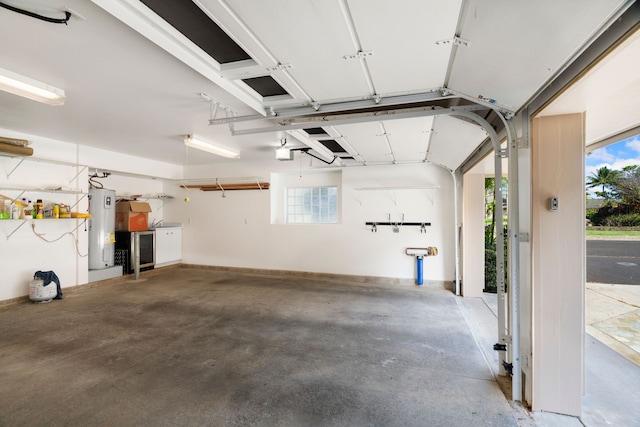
(102, 228)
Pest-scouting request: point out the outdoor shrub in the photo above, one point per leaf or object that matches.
(490, 274)
(627, 220)
(489, 239)
(591, 213)
(604, 213)
(490, 283)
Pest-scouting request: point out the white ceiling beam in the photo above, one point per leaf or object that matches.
(360, 55)
(279, 71)
(430, 138)
(342, 140)
(386, 138)
(454, 46)
(136, 15)
(315, 145)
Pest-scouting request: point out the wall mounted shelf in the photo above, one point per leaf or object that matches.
(146, 197)
(60, 190)
(39, 160)
(230, 186)
(22, 221)
(46, 190)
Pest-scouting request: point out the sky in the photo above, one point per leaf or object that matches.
(614, 156)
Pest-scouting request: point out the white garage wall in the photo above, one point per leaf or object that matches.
(23, 253)
(236, 231)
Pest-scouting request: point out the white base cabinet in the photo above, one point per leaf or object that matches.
(168, 245)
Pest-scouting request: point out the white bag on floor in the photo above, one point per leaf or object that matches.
(40, 293)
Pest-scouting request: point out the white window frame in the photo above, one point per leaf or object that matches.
(311, 204)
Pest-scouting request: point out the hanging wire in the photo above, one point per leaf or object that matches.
(70, 233)
(37, 16)
(300, 162)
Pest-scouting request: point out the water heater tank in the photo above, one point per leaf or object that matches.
(102, 228)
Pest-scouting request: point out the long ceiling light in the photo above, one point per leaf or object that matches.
(30, 88)
(196, 142)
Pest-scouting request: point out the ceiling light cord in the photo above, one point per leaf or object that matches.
(35, 15)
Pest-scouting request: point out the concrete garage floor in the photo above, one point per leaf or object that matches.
(204, 347)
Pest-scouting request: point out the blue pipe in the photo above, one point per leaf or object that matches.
(420, 280)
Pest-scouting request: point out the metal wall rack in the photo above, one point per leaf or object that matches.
(47, 190)
(423, 225)
(396, 225)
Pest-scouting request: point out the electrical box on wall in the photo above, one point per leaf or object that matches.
(554, 204)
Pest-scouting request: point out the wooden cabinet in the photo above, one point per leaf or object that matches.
(168, 245)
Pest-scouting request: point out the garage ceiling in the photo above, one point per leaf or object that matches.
(134, 80)
(610, 94)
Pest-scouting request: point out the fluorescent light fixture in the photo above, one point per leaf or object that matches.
(29, 88)
(196, 142)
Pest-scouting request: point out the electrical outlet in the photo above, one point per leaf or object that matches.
(554, 204)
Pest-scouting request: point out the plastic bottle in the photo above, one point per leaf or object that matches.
(64, 211)
(56, 211)
(23, 207)
(27, 207)
(39, 211)
(15, 210)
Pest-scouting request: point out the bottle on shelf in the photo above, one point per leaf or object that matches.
(56, 211)
(65, 211)
(39, 210)
(15, 210)
(27, 206)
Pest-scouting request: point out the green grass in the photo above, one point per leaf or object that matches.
(613, 233)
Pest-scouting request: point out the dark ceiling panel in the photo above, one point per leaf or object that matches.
(315, 131)
(265, 86)
(191, 21)
(332, 145)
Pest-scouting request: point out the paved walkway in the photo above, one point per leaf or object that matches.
(613, 317)
(612, 381)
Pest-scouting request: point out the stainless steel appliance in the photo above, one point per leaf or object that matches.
(125, 241)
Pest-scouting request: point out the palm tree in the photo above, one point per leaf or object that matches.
(605, 177)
